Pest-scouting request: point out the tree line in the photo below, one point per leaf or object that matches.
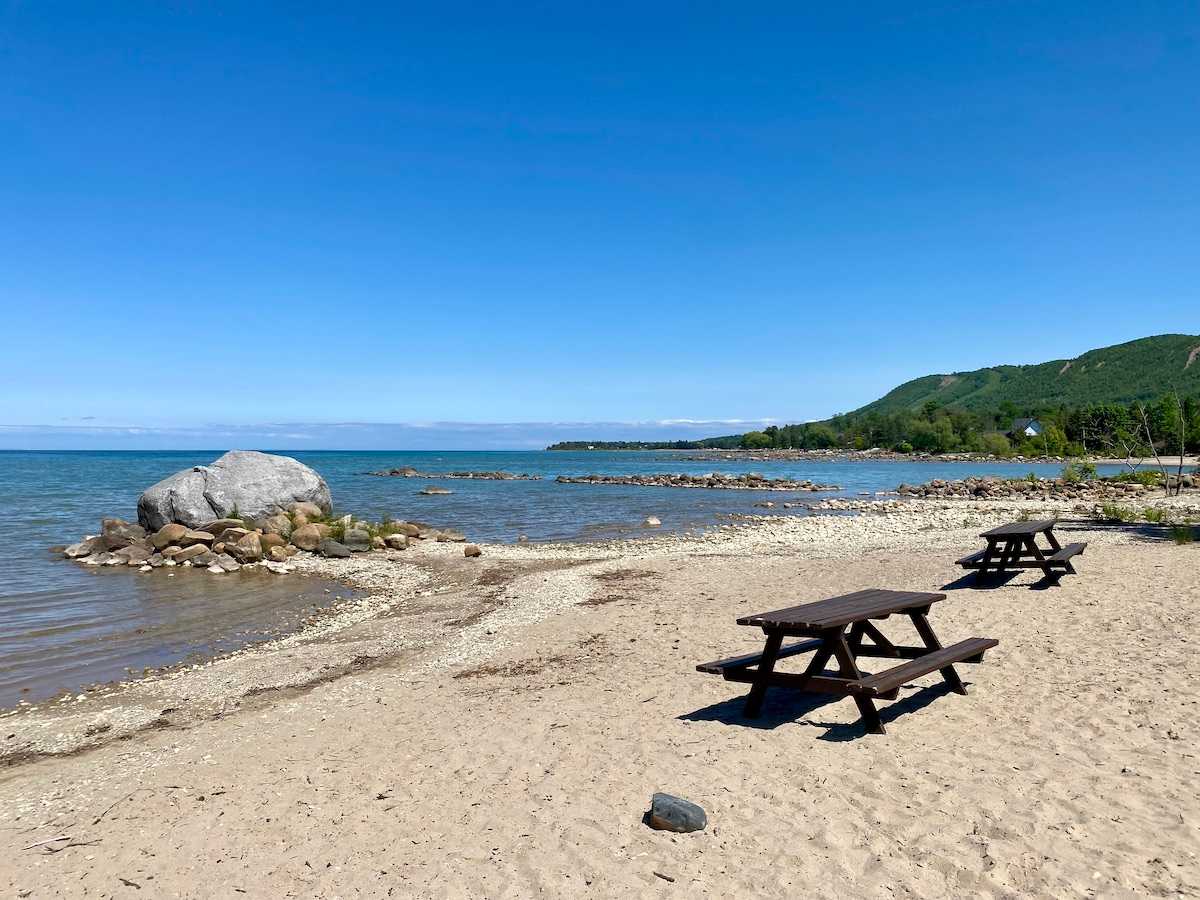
(1100, 429)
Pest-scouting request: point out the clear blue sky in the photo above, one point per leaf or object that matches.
(521, 212)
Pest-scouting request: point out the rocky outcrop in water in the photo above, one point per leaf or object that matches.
(409, 472)
(992, 488)
(228, 545)
(748, 482)
(242, 482)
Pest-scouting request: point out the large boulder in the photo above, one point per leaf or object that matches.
(252, 484)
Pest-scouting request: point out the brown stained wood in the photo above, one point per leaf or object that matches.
(1020, 529)
(930, 662)
(875, 603)
(762, 675)
(826, 621)
(720, 666)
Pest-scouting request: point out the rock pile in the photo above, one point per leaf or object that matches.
(410, 472)
(228, 544)
(993, 488)
(748, 482)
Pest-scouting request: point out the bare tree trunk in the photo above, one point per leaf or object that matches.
(1182, 433)
(1154, 450)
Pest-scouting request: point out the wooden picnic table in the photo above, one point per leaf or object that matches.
(838, 628)
(1014, 546)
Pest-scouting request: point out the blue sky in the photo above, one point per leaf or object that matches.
(219, 217)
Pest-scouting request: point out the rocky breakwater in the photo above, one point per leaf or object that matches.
(230, 545)
(247, 509)
(409, 472)
(748, 482)
(992, 488)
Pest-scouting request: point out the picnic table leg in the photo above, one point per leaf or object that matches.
(849, 669)
(949, 675)
(1039, 556)
(988, 555)
(758, 690)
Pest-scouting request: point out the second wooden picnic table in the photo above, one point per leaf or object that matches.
(1014, 546)
(825, 623)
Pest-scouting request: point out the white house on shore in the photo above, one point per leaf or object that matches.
(1026, 428)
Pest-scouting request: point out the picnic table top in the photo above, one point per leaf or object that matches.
(1021, 529)
(844, 610)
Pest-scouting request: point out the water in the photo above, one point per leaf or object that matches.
(63, 625)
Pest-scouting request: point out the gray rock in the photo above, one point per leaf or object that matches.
(330, 547)
(119, 529)
(84, 548)
(357, 539)
(132, 555)
(452, 536)
(254, 484)
(669, 813)
(228, 563)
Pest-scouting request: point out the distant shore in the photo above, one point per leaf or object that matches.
(878, 454)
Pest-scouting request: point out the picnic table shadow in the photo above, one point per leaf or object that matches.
(783, 707)
(993, 580)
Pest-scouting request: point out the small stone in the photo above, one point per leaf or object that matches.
(522, 539)
(331, 548)
(433, 491)
(278, 524)
(271, 539)
(450, 535)
(396, 541)
(215, 569)
(277, 554)
(247, 549)
(309, 510)
(670, 813)
(185, 554)
(377, 543)
(472, 550)
(652, 521)
(191, 537)
(307, 537)
(168, 534)
(357, 539)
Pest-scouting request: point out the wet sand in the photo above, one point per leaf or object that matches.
(495, 727)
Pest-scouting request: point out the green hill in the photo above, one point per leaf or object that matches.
(1144, 369)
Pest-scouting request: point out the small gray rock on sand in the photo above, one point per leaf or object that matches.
(670, 813)
(331, 548)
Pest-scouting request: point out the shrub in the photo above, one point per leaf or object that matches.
(904, 447)
(1073, 473)
(1110, 512)
(1150, 514)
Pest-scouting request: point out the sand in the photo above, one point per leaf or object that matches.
(495, 728)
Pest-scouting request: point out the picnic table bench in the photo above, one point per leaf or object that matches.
(1014, 546)
(824, 624)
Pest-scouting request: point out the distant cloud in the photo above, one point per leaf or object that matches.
(360, 435)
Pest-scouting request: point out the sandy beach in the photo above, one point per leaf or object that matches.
(495, 728)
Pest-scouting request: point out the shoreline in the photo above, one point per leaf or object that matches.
(396, 583)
